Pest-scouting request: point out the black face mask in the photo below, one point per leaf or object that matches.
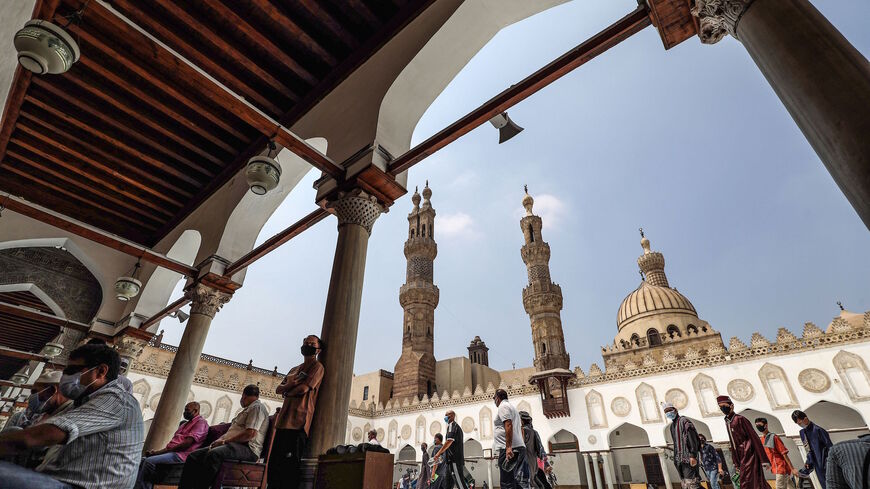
(725, 409)
(188, 415)
(308, 350)
(760, 427)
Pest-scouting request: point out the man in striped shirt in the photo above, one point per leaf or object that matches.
(848, 464)
(102, 435)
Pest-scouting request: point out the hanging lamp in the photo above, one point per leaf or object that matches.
(45, 48)
(263, 173)
(127, 288)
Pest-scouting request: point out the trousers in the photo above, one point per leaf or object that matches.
(518, 478)
(690, 477)
(285, 457)
(712, 478)
(149, 464)
(16, 477)
(202, 465)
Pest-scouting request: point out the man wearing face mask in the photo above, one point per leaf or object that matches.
(187, 438)
(777, 453)
(747, 452)
(508, 441)
(40, 393)
(687, 445)
(454, 454)
(102, 435)
(817, 442)
(299, 388)
(242, 441)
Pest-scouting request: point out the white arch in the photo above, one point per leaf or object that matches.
(35, 290)
(158, 288)
(627, 434)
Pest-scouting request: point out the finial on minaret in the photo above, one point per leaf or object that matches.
(642, 276)
(528, 201)
(641, 232)
(427, 192)
(416, 198)
(841, 305)
(644, 242)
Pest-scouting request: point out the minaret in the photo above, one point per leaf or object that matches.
(415, 371)
(542, 298)
(652, 264)
(478, 352)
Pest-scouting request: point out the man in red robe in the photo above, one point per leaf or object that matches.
(747, 452)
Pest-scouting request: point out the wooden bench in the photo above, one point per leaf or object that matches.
(232, 473)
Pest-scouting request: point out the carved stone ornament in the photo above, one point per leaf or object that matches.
(620, 406)
(677, 397)
(356, 207)
(130, 347)
(740, 390)
(380, 435)
(467, 425)
(814, 380)
(435, 428)
(356, 434)
(406, 432)
(592, 440)
(716, 18)
(206, 300)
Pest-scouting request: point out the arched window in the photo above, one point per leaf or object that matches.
(543, 348)
(652, 337)
(635, 340)
(531, 233)
(431, 230)
(691, 329)
(366, 393)
(428, 387)
(423, 234)
(412, 232)
(674, 332)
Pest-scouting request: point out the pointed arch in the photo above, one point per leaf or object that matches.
(141, 391)
(706, 393)
(627, 435)
(420, 430)
(777, 387)
(853, 374)
(563, 441)
(595, 409)
(524, 406)
(485, 423)
(392, 434)
(700, 426)
(472, 448)
(648, 403)
(407, 453)
(222, 410)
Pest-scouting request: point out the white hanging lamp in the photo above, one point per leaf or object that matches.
(127, 288)
(263, 173)
(45, 48)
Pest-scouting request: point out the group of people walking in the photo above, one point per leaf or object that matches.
(841, 466)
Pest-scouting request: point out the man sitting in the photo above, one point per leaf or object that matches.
(102, 434)
(243, 441)
(188, 437)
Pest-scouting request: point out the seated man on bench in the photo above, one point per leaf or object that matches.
(189, 436)
(243, 441)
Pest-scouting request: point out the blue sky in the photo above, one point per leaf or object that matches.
(691, 144)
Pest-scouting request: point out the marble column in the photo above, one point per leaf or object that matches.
(356, 212)
(205, 303)
(666, 473)
(823, 81)
(586, 471)
(597, 469)
(608, 470)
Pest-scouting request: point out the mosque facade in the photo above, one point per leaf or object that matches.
(603, 424)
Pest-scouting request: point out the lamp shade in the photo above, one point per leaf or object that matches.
(263, 174)
(126, 288)
(45, 48)
(52, 350)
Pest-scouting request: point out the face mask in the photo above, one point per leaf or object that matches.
(188, 415)
(671, 415)
(308, 350)
(71, 386)
(446, 419)
(35, 406)
(760, 427)
(725, 409)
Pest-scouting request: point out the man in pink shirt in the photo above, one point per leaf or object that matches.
(188, 437)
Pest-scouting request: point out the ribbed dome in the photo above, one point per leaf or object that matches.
(648, 299)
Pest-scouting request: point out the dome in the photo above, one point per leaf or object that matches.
(650, 299)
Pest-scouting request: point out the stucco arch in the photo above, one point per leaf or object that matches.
(853, 374)
(776, 385)
(485, 423)
(407, 453)
(35, 290)
(472, 448)
(595, 409)
(700, 426)
(836, 416)
(706, 393)
(420, 430)
(392, 434)
(628, 435)
(648, 403)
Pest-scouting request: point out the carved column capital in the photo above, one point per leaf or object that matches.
(206, 300)
(129, 349)
(716, 18)
(356, 207)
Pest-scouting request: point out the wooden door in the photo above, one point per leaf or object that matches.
(653, 469)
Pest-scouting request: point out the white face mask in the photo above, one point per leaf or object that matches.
(71, 385)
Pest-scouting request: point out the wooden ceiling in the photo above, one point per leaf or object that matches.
(27, 333)
(132, 138)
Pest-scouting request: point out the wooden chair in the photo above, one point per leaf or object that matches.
(232, 473)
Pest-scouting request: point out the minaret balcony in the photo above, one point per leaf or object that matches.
(536, 253)
(419, 293)
(538, 297)
(420, 246)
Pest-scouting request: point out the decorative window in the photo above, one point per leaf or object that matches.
(531, 233)
(420, 431)
(635, 339)
(648, 403)
(692, 329)
(652, 337)
(777, 387)
(595, 410)
(854, 375)
(543, 348)
(392, 434)
(485, 423)
(674, 332)
(366, 393)
(141, 390)
(706, 392)
(222, 410)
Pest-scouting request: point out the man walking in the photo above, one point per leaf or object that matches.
(454, 455)
(747, 452)
(423, 478)
(777, 453)
(817, 443)
(508, 440)
(712, 462)
(299, 388)
(687, 445)
(848, 464)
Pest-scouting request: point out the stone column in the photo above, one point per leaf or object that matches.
(586, 471)
(356, 212)
(597, 470)
(823, 81)
(665, 472)
(608, 469)
(205, 303)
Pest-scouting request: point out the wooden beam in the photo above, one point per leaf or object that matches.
(275, 241)
(300, 35)
(308, 153)
(597, 44)
(21, 355)
(110, 241)
(34, 315)
(174, 306)
(328, 21)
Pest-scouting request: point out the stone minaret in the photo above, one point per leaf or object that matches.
(415, 370)
(478, 352)
(542, 298)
